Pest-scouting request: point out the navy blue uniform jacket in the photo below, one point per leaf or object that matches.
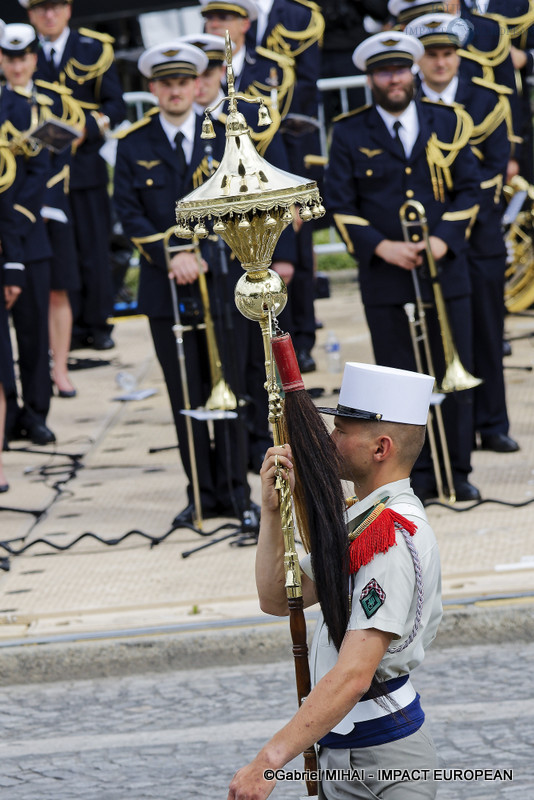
(367, 182)
(29, 187)
(102, 93)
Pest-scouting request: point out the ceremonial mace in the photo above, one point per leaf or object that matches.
(249, 203)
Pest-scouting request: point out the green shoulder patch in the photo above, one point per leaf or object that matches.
(372, 598)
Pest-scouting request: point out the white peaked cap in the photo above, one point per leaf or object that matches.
(439, 29)
(244, 8)
(17, 38)
(413, 8)
(172, 59)
(386, 394)
(387, 47)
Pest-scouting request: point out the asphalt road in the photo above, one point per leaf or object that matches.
(181, 735)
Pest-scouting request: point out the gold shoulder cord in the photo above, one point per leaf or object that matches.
(71, 110)
(293, 43)
(490, 123)
(8, 165)
(489, 59)
(203, 171)
(145, 119)
(18, 141)
(81, 73)
(441, 155)
(284, 91)
(516, 26)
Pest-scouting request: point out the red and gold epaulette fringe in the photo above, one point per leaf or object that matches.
(376, 534)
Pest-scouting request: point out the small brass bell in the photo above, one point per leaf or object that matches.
(264, 118)
(183, 231)
(270, 222)
(243, 223)
(200, 230)
(207, 128)
(305, 214)
(318, 210)
(287, 216)
(219, 227)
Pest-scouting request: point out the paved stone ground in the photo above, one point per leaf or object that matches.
(181, 735)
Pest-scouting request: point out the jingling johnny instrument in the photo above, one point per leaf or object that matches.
(248, 202)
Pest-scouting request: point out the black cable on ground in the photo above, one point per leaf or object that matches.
(154, 540)
(454, 507)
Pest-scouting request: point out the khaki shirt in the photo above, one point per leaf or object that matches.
(394, 573)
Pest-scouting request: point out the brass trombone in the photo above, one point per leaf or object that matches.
(221, 397)
(457, 378)
(412, 214)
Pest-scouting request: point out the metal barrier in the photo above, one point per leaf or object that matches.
(138, 100)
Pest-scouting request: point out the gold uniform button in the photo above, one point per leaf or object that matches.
(369, 172)
(408, 170)
(150, 182)
(409, 193)
(415, 237)
(412, 216)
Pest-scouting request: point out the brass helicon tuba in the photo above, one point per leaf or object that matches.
(457, 378)
(518, 222)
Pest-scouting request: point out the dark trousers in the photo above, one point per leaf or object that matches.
(487, 280)
(30, 318)
(93, 303)
(393, 347)
(220, 468)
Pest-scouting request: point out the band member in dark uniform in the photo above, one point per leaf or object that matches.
(487, 253)
(83, 60)
(12, 275)
(381, 156)
(30, 313)
(159, 160)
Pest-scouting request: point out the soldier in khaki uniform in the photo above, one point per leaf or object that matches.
(379, 427)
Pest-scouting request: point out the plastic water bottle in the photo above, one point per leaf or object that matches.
(333, 353)
(126, 381)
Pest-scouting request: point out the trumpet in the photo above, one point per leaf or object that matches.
(456, 378)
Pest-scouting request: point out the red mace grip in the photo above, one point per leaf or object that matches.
(286, 362)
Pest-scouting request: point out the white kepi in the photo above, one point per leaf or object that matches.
(384, 394)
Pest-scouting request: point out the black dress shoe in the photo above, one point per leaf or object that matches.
(499, 443)
(39, 433)
(102, 341)
(4, 487)
(34, 430)
(188, 516)
(466, 491)
(79, 342)
(306, 361)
